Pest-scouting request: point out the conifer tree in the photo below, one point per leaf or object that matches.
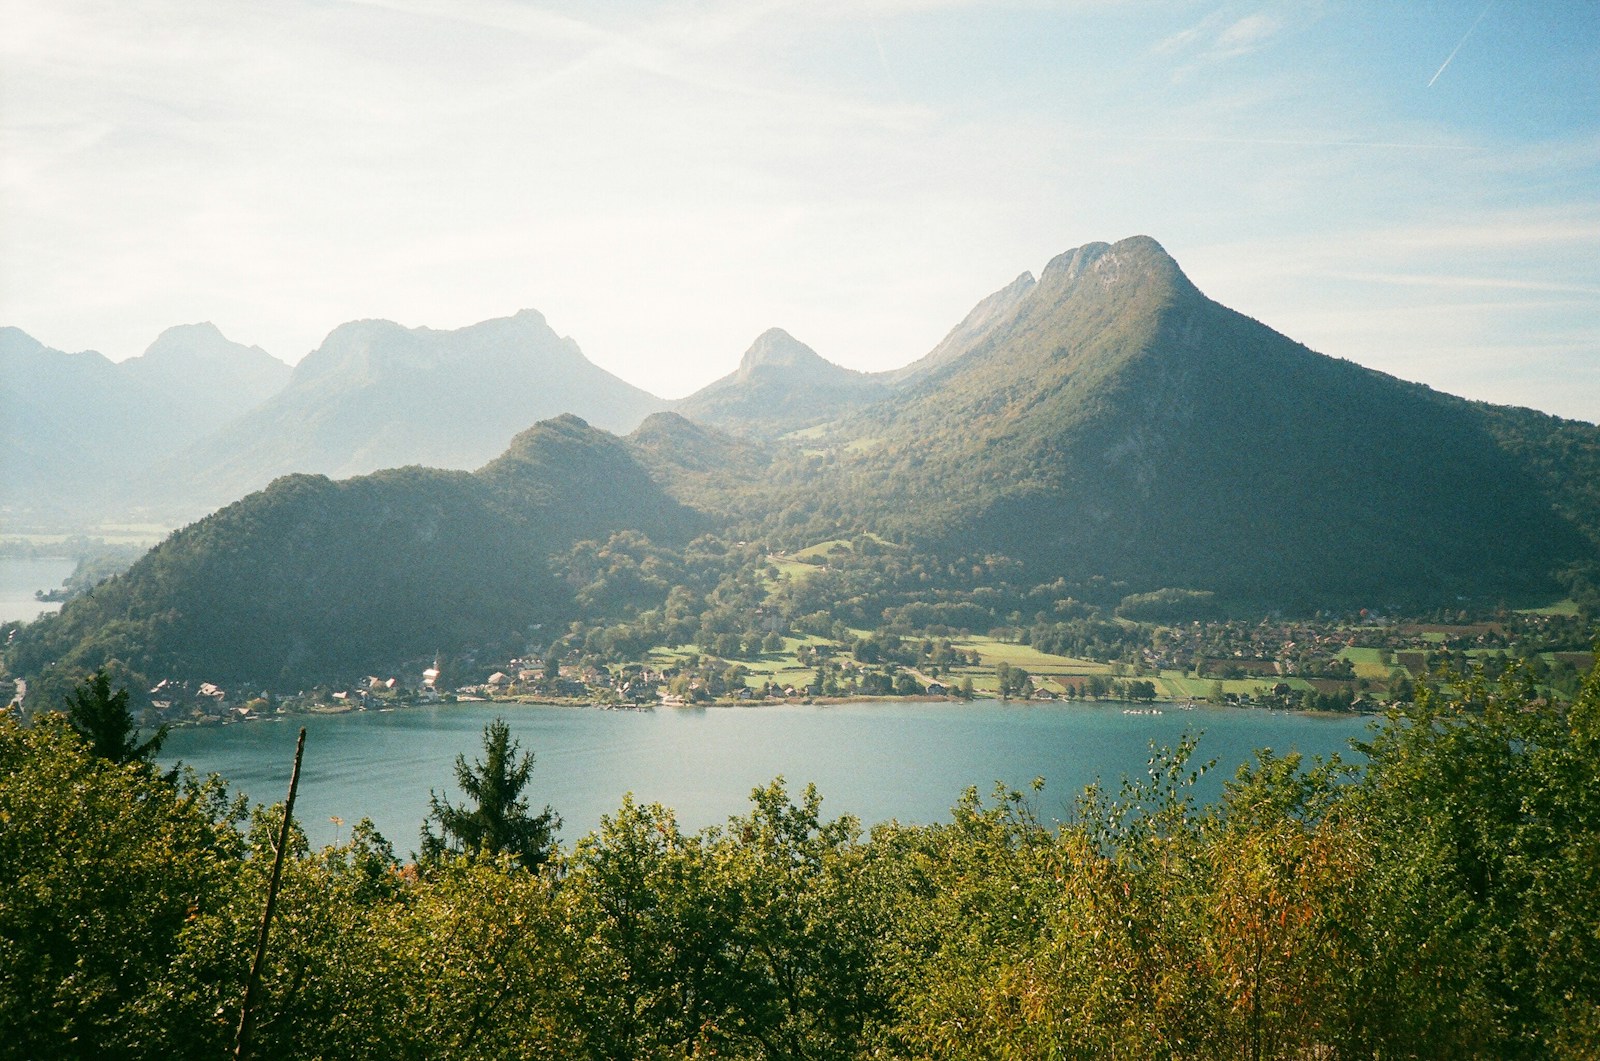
(498, 821)
(102, 718)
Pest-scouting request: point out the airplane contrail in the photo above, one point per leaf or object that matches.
(1457, 48)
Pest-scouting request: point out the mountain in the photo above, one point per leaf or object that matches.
(200, 379)
(1112, 421)
(377, 395)
(715, 472)
(565, 481)
(78, 425)
(313, 577)
(781, 384)
(989, 317)
(1107, 429)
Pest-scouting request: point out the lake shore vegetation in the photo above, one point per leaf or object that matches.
(1441, 899)
(715, 620)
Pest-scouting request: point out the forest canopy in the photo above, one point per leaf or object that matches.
(1441, 900)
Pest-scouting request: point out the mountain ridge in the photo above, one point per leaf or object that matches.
(1107, 426)
(376, 394)
(80, 425)
(780, 384)
(1119, 396)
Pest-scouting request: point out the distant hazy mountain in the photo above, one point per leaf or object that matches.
(376, 395)
(201, 380)
(78, 426)
(781, 384)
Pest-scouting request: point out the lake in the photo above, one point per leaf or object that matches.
(878, 761)
(20, 578)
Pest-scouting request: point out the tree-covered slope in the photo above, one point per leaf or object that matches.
(564, 481)
(312, 577)
(706, 468)
(1118, 422)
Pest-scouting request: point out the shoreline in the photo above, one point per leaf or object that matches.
(1129, 707)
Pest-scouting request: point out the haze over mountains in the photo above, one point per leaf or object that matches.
(199, 421)
(377, 395)
(79, 425)
(1106, 424)
(781, 384)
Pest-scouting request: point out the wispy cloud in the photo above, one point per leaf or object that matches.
(1270, 141)
(1220, 36)
(1245, 36)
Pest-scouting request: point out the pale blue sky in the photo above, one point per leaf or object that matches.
(1414, 186)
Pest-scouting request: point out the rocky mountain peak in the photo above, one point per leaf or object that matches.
(777, 350)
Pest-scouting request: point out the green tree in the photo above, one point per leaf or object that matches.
(1487, 803)
(102, 718)
(102, 869)
(498, 822)
(649, 927)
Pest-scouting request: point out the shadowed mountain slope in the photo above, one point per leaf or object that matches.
(312, 577)
(1115, 421)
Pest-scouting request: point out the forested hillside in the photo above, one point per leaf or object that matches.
(1102, 434)
(313, 577)
(1440, 900)
(1112, 420)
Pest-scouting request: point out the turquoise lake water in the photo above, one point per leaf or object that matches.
(878, 761)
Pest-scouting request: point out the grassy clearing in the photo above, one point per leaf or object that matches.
(993, 652)
(1182, 687)
(821, 550)
(1565, 608)
(1369, 663)
(791, 568)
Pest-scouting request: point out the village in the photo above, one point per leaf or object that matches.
(1358, 665)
